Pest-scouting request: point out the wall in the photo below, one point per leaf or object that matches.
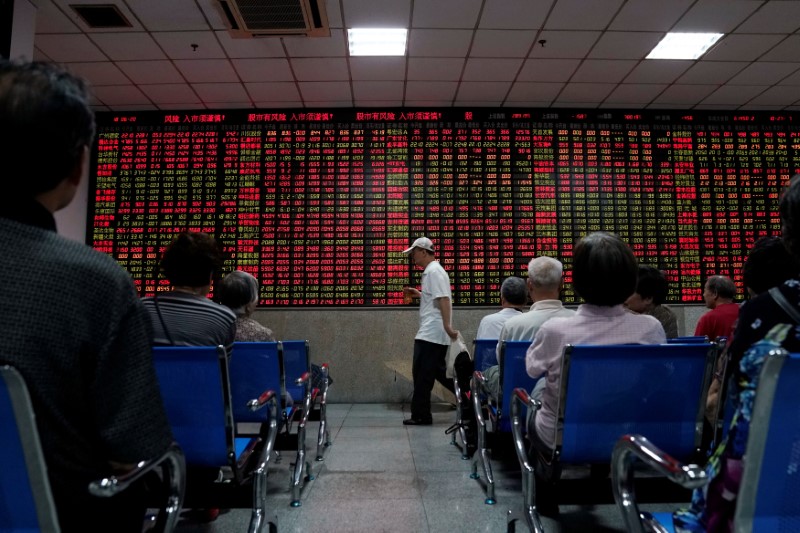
(369, 350)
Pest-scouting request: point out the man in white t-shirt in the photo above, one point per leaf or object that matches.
(435, 330)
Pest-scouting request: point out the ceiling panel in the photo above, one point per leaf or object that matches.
(378, 68)
(492, 69)
(434, 68)
(625, 44)
(548, 69)
(170, 93)
(446, 14)
(647, 15)
(143, 72)
(514, 14)
(207, 70)
(582, 15)
(264, 69)
(321, 69)
(129, 46)
(501, 43)
(720, 16)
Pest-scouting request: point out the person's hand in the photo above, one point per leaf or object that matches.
(453, 333)
(411, 292)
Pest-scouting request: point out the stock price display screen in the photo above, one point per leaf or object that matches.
(318, 205)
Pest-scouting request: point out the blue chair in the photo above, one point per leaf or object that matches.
(254, 367)
(688, 340)
(26, 502)
(482, 350)
(608, 390)
(196, 390)
(513, 374)
(767, 500)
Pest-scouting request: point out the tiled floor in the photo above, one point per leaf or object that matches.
(382, 476)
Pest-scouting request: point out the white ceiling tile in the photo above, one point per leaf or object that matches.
(207, 70)
(711, 72)
(585, 92)
(501, 43)
(492, 69)
(764, 73)
(183, 106)
(483, 90)
(220, 92)
(684, 95)
(102, 73)
(377, 90)
(647, 15)
(376, 13)
(734, 95)
(133, 107)
(431, 90)
(378, 103)
(446, 14)
(273, 104)
(142, 72)
(333, 46)
(171, 93)
(433, 68)
(428, 103)
(178, 45)
(120, 95)
(263, 69)
(320, 69)
(773, 17)
(514, 14)
(329, 103)
(438, 43)
(479, 103)
(582, 15)
(603, 70)
(272, 91)
(378, 68)
(794, 79)
(526, 103)
(741, 47)
(334, 13)
(231, 105)
(579, 105)
(548, 69)
(50, 19)
(658, 71)
(787, 50)
(525, 92)
(564, 44)
(250, 48)
(67, 47)
(38, 55)
(128, 46)
(320, 91)
(716, 15)
(174, 15)
(635, 94)
(625, 45)
(778, 95)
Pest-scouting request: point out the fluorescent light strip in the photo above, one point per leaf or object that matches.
(377, 41)
(684, 45)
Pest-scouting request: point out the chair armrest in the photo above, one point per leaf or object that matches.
(305, 378)
(172, 458)
(521, 397)
(257, 403)
(628, 450)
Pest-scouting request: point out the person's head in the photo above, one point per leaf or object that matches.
(421, 251)
(604, 270)
(43, 103)
(513, 292)
(239, 291)
(790, 216)
(651, 290)
(768, 265)
(718, 290)
(191, 260)
(544, 277)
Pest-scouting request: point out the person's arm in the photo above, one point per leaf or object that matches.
(446, 308)
(541, 352)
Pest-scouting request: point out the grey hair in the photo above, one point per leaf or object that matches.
(514, 291)
(545, 272)
(723, 286)
(238, 290)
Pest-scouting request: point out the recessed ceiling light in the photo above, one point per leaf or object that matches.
(377, 41)
(684, 45)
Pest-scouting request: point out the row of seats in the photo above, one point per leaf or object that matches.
(230, 413)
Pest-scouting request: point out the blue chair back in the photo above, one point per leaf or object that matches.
(613, 390)
(484, 353)
(770, 495)
(254, 368)
(25, 500)
(513, 374)
(296, 362)
(688, 340)
(196, 393)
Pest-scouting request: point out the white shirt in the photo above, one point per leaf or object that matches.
(435, 284)
(491, 325)
(524, 326)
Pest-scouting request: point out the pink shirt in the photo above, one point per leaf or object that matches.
(592, 324)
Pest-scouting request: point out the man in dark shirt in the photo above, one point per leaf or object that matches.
(72, 323)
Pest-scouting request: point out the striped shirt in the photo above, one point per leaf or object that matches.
(190, 320)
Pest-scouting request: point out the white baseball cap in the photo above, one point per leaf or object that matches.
(423, 242)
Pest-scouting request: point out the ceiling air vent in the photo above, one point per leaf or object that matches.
(101, 15)
(275, 18)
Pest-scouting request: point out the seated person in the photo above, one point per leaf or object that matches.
(604, 274)
(651, 291)
(513, 296)
(718, 294)
(239, 292)
(184, 316)
(545, 280)
(764, 324)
